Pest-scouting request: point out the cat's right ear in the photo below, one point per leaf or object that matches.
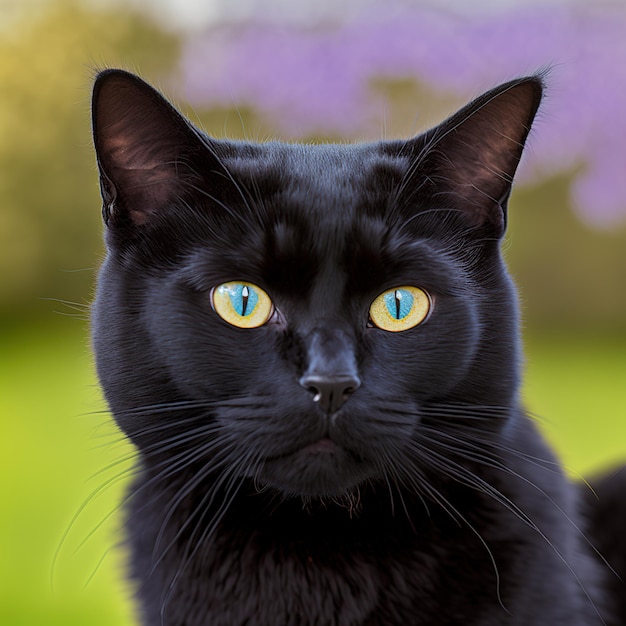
(470, 159)
(144, 148)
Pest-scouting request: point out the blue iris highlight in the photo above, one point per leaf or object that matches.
(399, 303)
(244, 299)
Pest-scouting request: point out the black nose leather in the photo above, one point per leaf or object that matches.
(330, 391)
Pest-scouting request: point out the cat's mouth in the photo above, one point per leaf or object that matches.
(322, 468)
(323, 445)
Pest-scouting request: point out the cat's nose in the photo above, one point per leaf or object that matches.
(330, 392)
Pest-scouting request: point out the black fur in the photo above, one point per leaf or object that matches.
(416, 491)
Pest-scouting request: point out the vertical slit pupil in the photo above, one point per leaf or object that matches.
(245, 294)
(398, 297)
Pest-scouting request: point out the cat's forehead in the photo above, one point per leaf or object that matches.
(330, 188)
(324, 210)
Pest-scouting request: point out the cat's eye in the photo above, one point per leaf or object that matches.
(242, 304)
(400, 308)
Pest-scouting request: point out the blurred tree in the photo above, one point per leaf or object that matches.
(49, 217)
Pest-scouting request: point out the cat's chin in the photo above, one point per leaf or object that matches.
(319, 470)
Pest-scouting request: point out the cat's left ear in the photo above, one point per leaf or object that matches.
(145, 149)
(470, 159)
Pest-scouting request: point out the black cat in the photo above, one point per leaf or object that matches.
(315, 350)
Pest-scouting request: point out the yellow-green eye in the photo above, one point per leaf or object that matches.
(242, 304)
(400, 308)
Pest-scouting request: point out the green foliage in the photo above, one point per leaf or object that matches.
(49, 218)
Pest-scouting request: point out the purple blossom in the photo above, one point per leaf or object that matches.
(319, 81)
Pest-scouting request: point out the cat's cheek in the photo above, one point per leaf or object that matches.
(430, 360)
(202, 355)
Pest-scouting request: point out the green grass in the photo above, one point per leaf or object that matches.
(576, 386)
(56, 439)
(52, 444)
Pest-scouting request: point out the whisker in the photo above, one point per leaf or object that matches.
(463, 476)
(171, 464)
(182, 494)
(553, 466)
(231, 491)
(459, 518)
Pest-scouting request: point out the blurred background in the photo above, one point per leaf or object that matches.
(306, 70)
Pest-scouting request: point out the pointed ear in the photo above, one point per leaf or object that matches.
(143, 147)
(471, 158)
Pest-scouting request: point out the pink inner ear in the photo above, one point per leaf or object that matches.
(145, 181)
(148, 191)
(489, 145)
(124, 152)
(138, 149)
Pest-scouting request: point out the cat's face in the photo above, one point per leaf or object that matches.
(312, 313)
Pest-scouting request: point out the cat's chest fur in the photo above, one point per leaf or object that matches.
(314, 565)
(321, 572)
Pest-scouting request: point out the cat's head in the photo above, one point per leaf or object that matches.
(305, 315)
